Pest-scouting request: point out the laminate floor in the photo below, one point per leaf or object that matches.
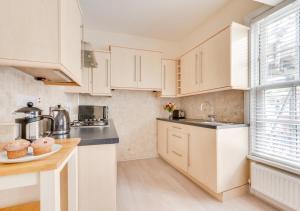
(153, 185)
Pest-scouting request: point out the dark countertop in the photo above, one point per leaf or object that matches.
(93, 135)
(199, 123)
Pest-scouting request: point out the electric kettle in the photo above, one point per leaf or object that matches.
(61, 120)
(31, 126)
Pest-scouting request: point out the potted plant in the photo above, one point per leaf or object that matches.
(170, 107)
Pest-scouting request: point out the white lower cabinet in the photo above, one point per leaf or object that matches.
(213, 158)
(97, 175)
(162, 135)
(203, 157)
(178, 149)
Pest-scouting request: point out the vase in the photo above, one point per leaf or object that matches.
(170, 115)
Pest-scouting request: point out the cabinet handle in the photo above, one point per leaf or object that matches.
(82, 32)
(201, 66)
(177, 136)
(140, 68)
(164, 77)
(196, 69)
(176, 153)
(179, 128)
(90, 85)
(134, 75)
(106, 72)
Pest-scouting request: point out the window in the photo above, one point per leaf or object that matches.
(275, 87)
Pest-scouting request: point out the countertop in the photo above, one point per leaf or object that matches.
(45, 164)
(93, 135)
(199, 123)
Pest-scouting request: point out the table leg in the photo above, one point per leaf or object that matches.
(73, 182)
(50, 190)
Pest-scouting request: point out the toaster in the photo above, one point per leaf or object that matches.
(178, 114)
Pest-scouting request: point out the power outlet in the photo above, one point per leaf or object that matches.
(22, 100)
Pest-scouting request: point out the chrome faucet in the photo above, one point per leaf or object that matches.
(211, 116)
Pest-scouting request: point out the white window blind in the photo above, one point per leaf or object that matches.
(275, 87)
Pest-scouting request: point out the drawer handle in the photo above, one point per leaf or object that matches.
(179, 128)
(180, 155)
(177, 136)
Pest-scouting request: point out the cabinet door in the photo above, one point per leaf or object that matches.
(97, 177)
(71, 32)
(178, 149)
(29, 30)
(149, 74)
(190, 72)
(216, 61)
(101, 74)
(202, 156)
(169, 78)
(123, 68)
(162, 139)
(86, 82)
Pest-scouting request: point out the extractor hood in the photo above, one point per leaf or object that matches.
(88, 56)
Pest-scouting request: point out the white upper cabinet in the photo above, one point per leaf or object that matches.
(135, 69)
(86, 83)
(149, 70)
(191, 71)
(219, 63)
(42, 38)
(95, 81)
(124, 68)
(169, 71)
(101, 74)
(216, 68)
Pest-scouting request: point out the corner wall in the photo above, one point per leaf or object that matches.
(235, 11)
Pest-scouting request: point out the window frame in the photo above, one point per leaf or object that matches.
(254, 77)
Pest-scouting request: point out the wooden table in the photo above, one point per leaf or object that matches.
(46, 174)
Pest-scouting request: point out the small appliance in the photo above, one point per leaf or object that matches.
(31, 126)
(178, 114)
(61, 120)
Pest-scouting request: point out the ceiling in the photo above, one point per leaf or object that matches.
(161, 19)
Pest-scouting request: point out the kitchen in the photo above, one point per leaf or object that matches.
(158, 61)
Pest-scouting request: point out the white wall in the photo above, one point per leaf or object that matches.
(236, 10)
(102, 40)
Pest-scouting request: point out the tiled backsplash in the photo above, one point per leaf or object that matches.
(17, 88)
(134, 112)
(227, 105)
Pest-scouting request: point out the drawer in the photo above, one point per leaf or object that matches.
(178, 127)
(178, 149)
